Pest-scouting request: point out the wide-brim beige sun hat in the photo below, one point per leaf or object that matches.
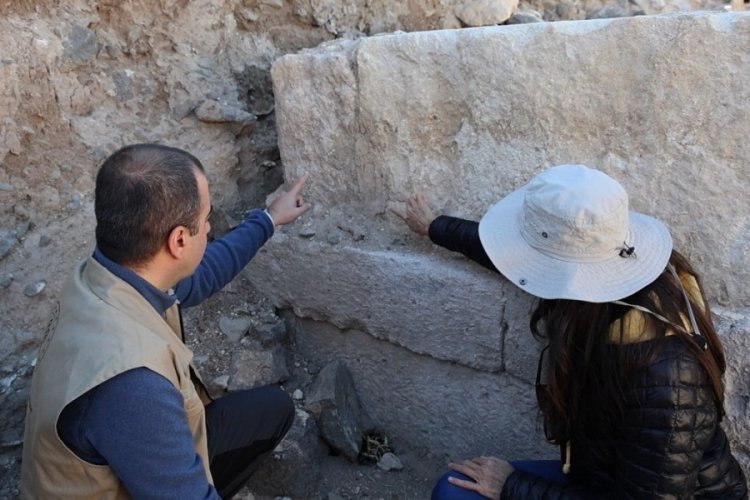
(569, 234)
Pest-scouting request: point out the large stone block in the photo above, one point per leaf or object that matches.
(407, 299)
(421, 401)
(467, 116)
(735, 326)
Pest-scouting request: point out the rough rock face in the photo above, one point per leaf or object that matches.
(604, 93)
(467, 116)
(78, 79)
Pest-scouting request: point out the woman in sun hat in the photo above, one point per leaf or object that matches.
(633, 391)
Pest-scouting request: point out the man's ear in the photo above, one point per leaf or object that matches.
(177, 241)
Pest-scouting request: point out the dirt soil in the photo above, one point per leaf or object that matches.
(352, 481)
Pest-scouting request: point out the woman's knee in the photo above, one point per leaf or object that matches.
(444, 490)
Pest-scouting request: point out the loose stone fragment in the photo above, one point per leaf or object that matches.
(6, 280)
(306, 232)
(34, 288)
(234, 328)
(7, 242)
(389, 461)
(485, 12)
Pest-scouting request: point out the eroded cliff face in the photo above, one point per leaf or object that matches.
(78, 79)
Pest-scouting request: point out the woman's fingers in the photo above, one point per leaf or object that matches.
(399, 213)
(462, 483)
(467, 467)
(416, 214)
(488, 474)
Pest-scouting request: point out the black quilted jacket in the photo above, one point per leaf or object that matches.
(671, 445)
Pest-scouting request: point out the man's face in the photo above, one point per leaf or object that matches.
(199, 240)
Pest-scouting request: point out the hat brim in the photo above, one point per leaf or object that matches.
(551, 278)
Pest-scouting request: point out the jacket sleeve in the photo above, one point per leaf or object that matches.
(670, 422)
(460, 235)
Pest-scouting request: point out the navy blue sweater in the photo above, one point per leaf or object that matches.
(135, 422)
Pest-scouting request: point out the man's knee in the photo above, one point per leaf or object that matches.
(281, 405)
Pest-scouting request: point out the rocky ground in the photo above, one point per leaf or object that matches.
(332, 476)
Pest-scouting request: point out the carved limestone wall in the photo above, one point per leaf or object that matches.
(466, 116)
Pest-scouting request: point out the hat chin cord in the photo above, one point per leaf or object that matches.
(695, 334)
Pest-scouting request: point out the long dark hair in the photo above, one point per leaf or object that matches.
(588, 369)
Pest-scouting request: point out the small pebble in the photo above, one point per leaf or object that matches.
(249, 15)
(6, 280)
(298, 394)
(333, 239)
(34, 288)
(44, 240)
(222, 382)
(75, 202)
(389, 461)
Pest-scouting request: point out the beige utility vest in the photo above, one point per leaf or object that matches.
(102, 327)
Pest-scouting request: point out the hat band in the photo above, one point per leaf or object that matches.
(577, 253)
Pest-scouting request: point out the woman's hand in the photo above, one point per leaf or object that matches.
(417, 215)
(489, 473)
